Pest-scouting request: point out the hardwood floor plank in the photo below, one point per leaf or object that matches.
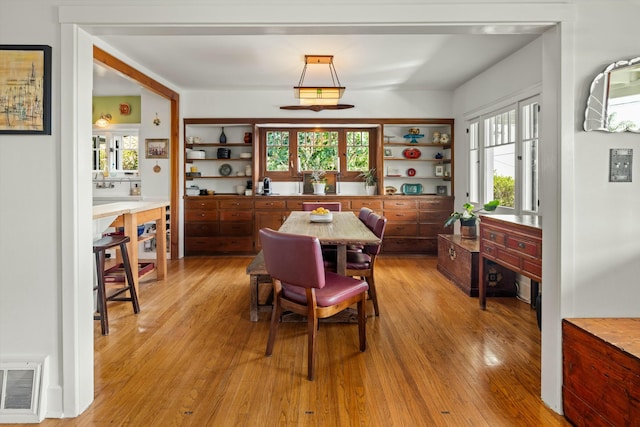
(191, 357)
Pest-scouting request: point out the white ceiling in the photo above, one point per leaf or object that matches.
(383, 58)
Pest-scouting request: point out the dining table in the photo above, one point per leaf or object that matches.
(130, 214)
(344, 229)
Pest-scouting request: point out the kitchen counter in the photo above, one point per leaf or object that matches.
(129, 214)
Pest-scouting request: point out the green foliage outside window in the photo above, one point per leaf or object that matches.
(504, 190)
(277, 151)
(357, 151)
(318, 150)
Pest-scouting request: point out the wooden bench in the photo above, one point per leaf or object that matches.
(257, 274)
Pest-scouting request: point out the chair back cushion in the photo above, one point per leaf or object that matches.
(364, 213)
(332, 206)
(372, 219)
(293, 259)
(378, 229)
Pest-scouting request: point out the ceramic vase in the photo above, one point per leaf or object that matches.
(223, 137)
(371, 190)
(318, 188)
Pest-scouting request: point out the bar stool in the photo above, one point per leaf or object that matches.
(99, 248)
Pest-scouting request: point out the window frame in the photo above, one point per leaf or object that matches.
(293, 173)
(113, 153)
(516, 103)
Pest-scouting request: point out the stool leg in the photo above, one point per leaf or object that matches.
(128, 271)
(102, 297)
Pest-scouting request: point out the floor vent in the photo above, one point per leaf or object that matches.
(20, 391)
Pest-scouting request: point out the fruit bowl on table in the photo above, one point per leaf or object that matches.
(325, 217)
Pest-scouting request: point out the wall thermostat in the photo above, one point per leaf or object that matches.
(620, 161)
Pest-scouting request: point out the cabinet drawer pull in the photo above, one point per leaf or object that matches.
(399, 214)
(492, 236)
(521, 245)
(203, 214)
(452, 253)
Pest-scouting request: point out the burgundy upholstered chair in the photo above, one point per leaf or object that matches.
(362, 263)
(364, 214)
(302, 285)
(332, 206)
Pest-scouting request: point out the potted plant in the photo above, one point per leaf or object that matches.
(370, 180)
(318, 181)
(469, 218)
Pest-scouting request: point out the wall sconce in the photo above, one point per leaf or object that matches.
(104, 120)
(156, 121)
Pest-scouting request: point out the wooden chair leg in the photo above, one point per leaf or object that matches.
(129, 273)
(372, 293)
(275, 321)
(362, 324)
(102, 297)
(312, 330)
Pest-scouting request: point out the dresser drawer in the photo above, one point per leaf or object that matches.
(492, 235)
(375, 205)
(524, 246)
(195, 229)
(269, 204)
(533, 267)
(401, 230)
(507, 257)
(405, 216)
(203, 204)
(232, 228)
(437, 204)
(437, 217)
(236, 216)
(431, 230)
(237, 204)
(399, 245)
(201, 215)
(400, 203)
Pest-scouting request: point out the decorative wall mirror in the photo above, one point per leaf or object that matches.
(614, 99)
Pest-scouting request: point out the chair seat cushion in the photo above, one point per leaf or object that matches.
(355, 261)
(337, 288)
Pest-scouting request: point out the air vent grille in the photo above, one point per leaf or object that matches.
(20, 385)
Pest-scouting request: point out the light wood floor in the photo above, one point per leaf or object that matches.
(193, 358)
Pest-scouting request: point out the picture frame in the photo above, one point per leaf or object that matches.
(25, 69)
(156, 148)
(388, 152)
(441, 190)
(439, 170)
(307, 186)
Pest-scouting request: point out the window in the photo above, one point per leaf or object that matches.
(503, 156)
(291, 151)
(115, 152)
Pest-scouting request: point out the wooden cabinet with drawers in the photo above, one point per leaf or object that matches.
(414, 223)
(513, 241)
(218, 225)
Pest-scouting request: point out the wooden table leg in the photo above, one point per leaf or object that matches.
(341, 262)
(253, 297)
(482, 286)
(161, 244)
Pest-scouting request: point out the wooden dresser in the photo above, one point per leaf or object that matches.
(601, 371)
(515, 242)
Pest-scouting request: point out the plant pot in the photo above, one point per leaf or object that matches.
(318, 188)
(468, 229)
(371, 190)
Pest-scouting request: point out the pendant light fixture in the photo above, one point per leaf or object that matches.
(317, 98)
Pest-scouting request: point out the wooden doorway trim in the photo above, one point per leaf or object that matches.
(158, 88)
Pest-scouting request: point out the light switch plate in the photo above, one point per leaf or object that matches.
(620, 162)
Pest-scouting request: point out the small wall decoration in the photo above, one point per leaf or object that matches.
(439, 171)
(441, 190)
(125, 109)
(387, 152)
(156, 148)
(25, 89)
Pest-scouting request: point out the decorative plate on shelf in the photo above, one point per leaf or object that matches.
(411, 172)
(225, 169)
(411, 153)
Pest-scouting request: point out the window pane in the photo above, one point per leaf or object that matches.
(500, 173)
(318, 151)
(277, 151)
(357, 151)
(99, 152)
(129, 153)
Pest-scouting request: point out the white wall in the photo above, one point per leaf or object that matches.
(154, 184)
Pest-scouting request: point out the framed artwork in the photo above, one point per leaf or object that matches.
(156, 148)
(441, 190)
(439, 170)
(388, 152)
(307, 187)
(25, 89)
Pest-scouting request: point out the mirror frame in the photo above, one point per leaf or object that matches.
(595, 114)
